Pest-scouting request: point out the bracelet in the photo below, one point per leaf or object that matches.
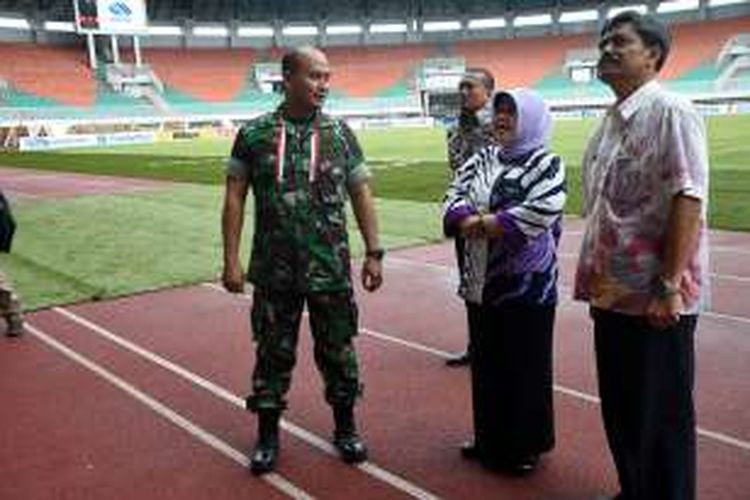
(376, 254)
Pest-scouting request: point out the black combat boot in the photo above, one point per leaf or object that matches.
(345, 438)
(15, 324)
(267, 447)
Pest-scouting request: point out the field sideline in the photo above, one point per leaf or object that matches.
(410, 163)
(100, 246)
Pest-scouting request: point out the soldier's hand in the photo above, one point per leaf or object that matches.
(233, 279)
(372, 274)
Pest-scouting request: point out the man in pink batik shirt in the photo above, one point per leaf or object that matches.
(643, 262)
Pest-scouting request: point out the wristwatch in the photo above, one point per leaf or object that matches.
(664, 289)
(376, 254)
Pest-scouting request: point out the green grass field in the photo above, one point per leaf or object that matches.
(410, 163)
(103, 246)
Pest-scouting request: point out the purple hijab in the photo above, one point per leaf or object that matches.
(534, 122)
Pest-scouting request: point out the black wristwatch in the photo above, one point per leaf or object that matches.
(664, 290)
(376, 254)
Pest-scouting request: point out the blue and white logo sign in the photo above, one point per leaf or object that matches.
(120, 10)
(122, 16)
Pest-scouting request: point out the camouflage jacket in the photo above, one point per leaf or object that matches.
(300, 172)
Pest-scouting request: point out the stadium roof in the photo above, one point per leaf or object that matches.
(304, 10)
(320, 13)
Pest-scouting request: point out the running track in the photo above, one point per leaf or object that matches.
(141, 397)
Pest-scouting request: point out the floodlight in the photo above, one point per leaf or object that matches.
(434, 26)
(533, 20)
(483, 24)
(579, 16)
(388, 28)
(300, 30)
(344, 29)
(14, 23)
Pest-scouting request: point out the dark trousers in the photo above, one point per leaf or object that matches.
(646, 387)
(459, 244)
(474, 322)
(275, 319)
(511, 375)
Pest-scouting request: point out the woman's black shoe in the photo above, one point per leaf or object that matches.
(462, 359)
(512, 466)
(525, 465)
(469, 450)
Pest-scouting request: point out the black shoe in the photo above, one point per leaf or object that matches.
(267, 447)
(462, 359)
(15, 325)
(345, 438)
(521, 467)
(470, 451)
(264, 459)
(351, 448)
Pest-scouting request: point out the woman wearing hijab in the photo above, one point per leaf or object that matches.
(507, 201)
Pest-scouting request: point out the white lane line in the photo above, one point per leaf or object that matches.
(728, 317)
(728, 249)
(727, 277)
(730, 277)
(166, 412)
(564, 290)
(590, 398)
(406, 343)
(222, 393)
(444, 354)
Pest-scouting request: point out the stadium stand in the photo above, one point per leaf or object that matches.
(376, 71)
(202, 74)
(698, 44)
(373, 77)
(520, 62)
(45, 75)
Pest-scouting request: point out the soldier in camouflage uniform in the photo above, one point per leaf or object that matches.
(472, 133)
(10, 306)
(302, 166)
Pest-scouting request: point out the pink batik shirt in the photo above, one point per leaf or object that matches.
(648, 148)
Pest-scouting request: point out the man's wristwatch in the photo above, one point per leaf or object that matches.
(376, 254)
(664, 289)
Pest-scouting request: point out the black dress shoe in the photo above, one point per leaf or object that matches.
(469, 450)
(521, 467)
(462, 359)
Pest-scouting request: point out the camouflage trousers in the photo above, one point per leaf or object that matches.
(9, 303)
(275, 319)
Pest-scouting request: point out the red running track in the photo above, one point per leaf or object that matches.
(25, 183)
(69, 433)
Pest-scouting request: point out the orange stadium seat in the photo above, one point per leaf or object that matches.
(61, 73)
(365, 71)
(205, 74)
(694, 44)
(521, 62)
(56, 72)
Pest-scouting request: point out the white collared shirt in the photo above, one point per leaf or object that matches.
(648, 148)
